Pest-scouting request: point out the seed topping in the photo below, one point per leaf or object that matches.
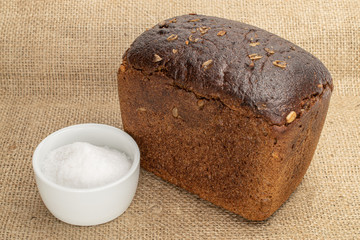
(280, 64)
(221, 33)
(254, 56)
(204, 30)
(172, 37)
(291, 117)
(157, 58)
(175, 112)
(269, 51)
(208, 64)
(254, 44)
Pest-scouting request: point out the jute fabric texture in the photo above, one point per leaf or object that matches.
(58, 64)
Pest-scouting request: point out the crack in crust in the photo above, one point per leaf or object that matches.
(306, 102)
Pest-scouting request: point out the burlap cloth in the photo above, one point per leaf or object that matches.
(58, 64)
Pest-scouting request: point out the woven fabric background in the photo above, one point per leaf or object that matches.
(58, 64)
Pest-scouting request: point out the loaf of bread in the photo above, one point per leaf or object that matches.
(225, 110)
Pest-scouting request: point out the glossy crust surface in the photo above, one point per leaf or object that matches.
(237, 63)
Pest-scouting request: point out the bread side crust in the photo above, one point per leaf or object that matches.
(233, 159)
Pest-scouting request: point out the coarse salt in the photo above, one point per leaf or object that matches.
(83, 165)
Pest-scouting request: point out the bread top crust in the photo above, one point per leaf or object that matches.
(236, 63)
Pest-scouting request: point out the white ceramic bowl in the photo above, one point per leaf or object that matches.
(91, 206)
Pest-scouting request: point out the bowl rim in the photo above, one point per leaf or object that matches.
(38, 173)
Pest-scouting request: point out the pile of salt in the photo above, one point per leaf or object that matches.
(83, 165)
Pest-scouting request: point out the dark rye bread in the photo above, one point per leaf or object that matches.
(225, 110)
